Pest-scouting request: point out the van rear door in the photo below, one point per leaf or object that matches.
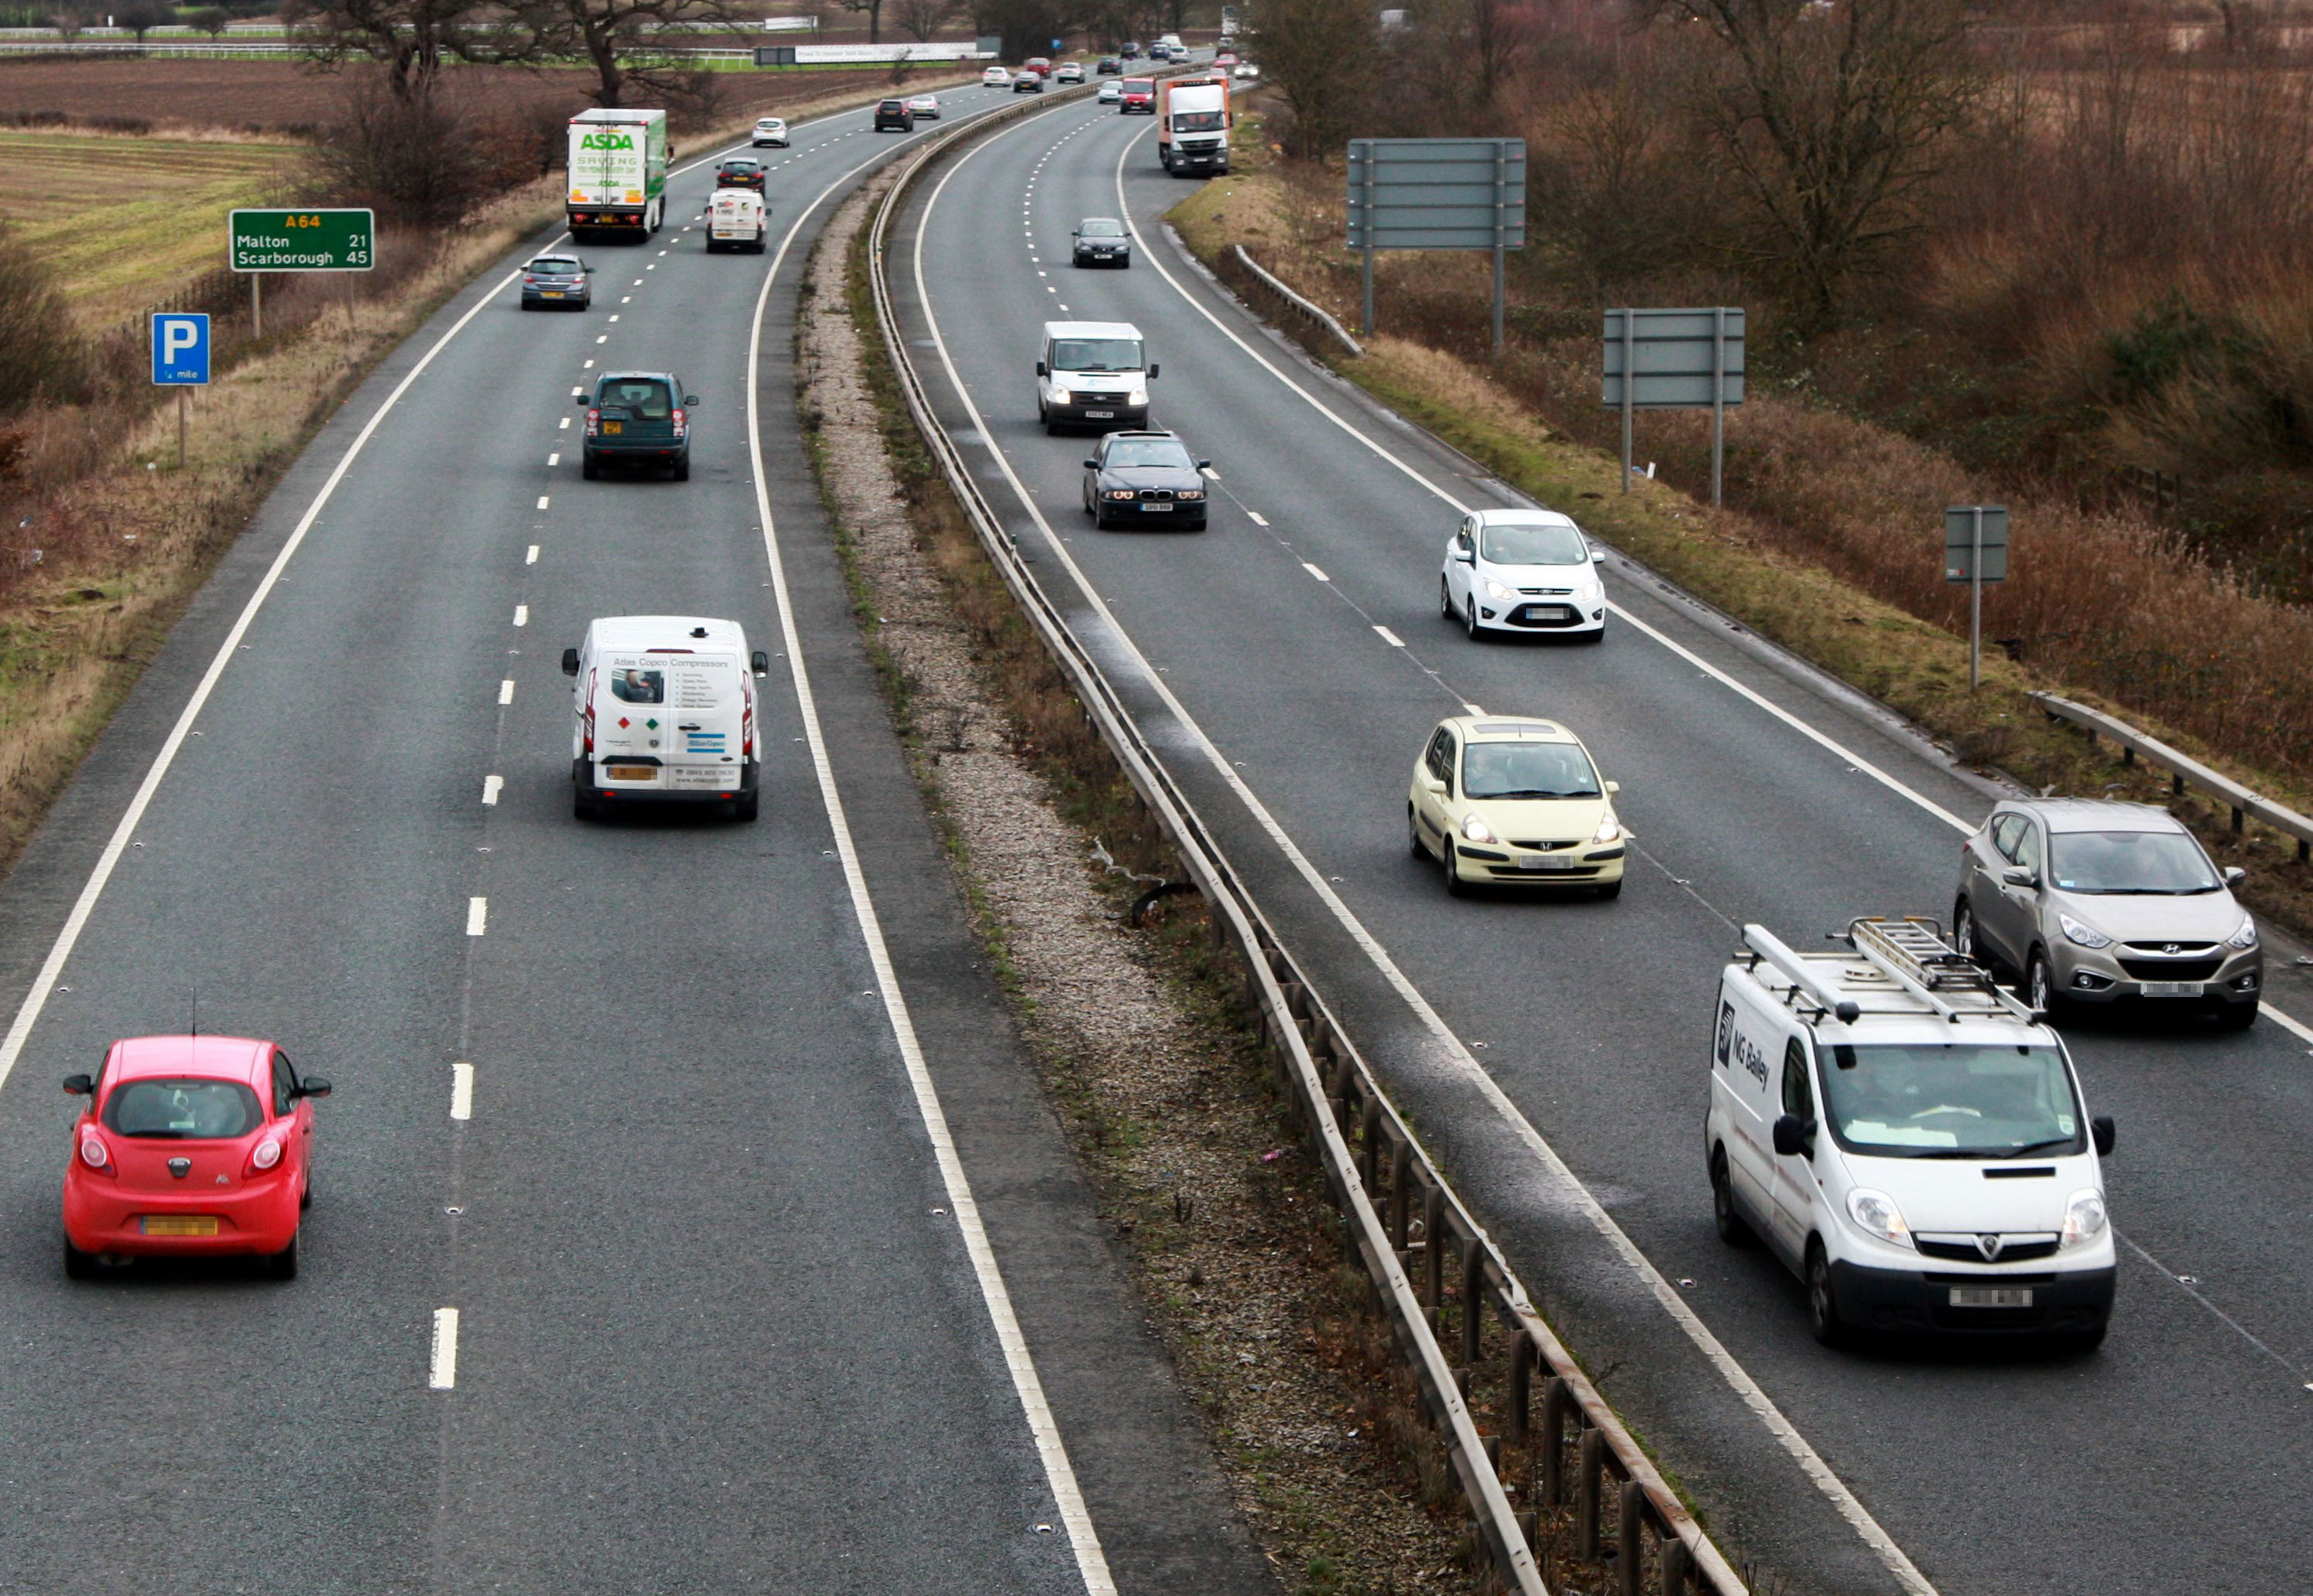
(707, 698)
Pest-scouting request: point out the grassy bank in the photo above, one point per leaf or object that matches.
(1759, 570)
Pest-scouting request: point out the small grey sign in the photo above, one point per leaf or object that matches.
(1960, 543)
(1676, 358)
(1437, 194)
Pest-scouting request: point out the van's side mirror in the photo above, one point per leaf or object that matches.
(2104, 1133)
(691, 401)
(1598, 556)
(312, 1086)
(2235, 875)
(79, 1086)
(1041, 372)
(1152, 372)
(763, 663)
(2020, 875)
(1791, 1137)
(570, 662)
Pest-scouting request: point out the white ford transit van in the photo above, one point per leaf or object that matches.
(665, 712)
(737, 219)
(1093, 373)
(1909, 1139)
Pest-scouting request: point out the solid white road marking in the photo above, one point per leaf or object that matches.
(60, 951)
(1390, 637)
(506, 690)
(478, 916)
(462, 1091)
(1459, 1057)
(1059, 1473)
(492, 785)
(442, 1369)
(1313, 571)
(521, 615)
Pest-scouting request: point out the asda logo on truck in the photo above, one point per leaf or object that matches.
(607, 141)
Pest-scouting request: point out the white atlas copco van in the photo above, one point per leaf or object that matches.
(1093, 373)
(737, 219)
(665, 712)
(1909, 1139)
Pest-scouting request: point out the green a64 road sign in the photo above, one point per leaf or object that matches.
(303, 240)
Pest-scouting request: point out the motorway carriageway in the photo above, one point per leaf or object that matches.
(643, 1257)
(1289, 665)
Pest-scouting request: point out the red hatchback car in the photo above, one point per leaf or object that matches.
(190, 1147)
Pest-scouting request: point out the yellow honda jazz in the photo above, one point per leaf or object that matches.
(1511, 802)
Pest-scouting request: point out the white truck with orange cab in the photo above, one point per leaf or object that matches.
(1192, 126)
(665, 712)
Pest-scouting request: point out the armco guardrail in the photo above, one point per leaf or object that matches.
(1305, 307)
(1466, 1288)
(2182, 769)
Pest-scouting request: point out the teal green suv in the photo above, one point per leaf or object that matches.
(638, 418)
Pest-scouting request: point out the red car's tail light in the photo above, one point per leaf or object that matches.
(593, 422)
(93, 1154)
(268, 1154)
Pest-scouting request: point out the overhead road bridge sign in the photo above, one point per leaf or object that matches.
(303, 241)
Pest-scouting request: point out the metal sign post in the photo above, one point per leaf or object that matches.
(1675, 360)
(338, 240)
(1437, 194)
(1975, 551)
(180, 360)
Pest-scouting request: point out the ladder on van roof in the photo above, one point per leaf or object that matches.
(1912, 951)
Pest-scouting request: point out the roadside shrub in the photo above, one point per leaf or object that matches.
(428, 160)
(43, 359)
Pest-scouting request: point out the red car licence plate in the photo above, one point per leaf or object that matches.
(177, 1224)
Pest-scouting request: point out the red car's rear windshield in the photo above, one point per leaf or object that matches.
(1140, 85)
(183, 1110)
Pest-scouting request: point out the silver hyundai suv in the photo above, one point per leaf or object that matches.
(2085, 900)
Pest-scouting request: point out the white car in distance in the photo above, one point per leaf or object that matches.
(996, 77)
(1111, 91)
(1515, 570)
(771, 132)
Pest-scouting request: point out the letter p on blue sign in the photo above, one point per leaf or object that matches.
(181, 348)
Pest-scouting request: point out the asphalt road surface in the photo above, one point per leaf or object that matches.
(1290, 661)
(721, 1321)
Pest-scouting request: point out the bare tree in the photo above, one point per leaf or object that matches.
(624, 40)
(874, 13)
(140, 17)
(923, 18)
(1323, 58)
(1831, 118)
(409, 38)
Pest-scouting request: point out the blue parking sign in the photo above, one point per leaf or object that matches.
(181, 348)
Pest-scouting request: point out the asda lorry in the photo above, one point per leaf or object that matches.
(1193, 124)
(617, 174)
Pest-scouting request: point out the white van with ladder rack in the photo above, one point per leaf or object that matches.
(1909, 1139)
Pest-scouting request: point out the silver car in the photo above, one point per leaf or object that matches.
(2088, 901)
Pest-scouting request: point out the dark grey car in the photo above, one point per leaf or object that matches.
(557, 281)
(1102, 241)
(1145, 480)
(638, 418)
(2090, 901)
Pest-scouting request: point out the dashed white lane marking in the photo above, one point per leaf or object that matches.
(574, 393)
(566, 420)
(602, 337)
(1257, 518)
(491, 786)
(506, 690)
(531, 557)
(521, 615)
(462, 1091)
(478, 916)
(1390, 637)
(555, 459)
(1313, 571)
(1059, 1473)
(614, 315)
(442, 1368)
(542, 501)
(588, 366)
